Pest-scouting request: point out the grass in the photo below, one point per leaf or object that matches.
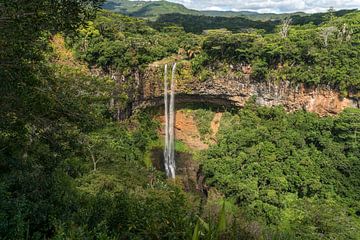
(179, 145)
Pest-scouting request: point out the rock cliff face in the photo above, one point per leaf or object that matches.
(235, 91)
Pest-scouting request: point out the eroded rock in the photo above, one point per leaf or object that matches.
(237, 90)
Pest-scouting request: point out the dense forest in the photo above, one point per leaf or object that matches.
(310, 54)
(70, 168)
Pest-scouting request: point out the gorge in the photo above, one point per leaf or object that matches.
(179, 127)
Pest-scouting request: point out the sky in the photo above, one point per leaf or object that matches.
(264, 6)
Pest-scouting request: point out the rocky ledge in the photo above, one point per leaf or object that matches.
(235, 91)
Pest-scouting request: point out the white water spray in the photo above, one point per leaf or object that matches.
(169, 151)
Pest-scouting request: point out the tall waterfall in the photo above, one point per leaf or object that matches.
(169, 151)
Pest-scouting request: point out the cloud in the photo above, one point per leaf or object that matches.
(277, 6)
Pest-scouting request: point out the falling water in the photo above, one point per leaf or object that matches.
(166, 149)
(169, 151)
(172, 124)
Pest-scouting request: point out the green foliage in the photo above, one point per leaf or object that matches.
(115, 142)
(203, 23)
(123, 47)
(124, 215)
(313, 55)
(203, 118)
(125, 44)
(203, 229)
(222, 220)
(146, 9)
(154, 9)
(42, 117)
(196, 235)
(123, 198)
(51, 116)
(67, 172)
(294, 173)
(35, 20)
(310, 54)
(232, 47)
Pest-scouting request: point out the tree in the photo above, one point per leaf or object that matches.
(281, 167)
(40, 119)
(330, 14)
(348, 128)
(285, 27)
(326, 33)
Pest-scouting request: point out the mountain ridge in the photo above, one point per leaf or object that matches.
(154, 9)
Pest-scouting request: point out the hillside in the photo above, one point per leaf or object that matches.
(234, 24)
(163, 13)
(146, 9)
(154, 9)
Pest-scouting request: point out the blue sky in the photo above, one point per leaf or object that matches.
(277, 6)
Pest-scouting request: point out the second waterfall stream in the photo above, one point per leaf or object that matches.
(169, 100)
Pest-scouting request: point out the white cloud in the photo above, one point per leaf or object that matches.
(212, 8)
(277, 6)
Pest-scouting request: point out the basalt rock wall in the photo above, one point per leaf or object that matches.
(236, 89)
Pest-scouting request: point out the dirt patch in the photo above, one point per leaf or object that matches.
(186, 130)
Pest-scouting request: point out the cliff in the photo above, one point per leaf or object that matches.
(236, 89)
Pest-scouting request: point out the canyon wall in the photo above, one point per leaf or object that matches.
(235, 90)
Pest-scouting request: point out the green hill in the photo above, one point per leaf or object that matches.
(154, 9)
(147, 9)
(234, 24)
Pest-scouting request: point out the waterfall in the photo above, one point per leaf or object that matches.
(166, 149)
(169, 151)
(172, 124)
